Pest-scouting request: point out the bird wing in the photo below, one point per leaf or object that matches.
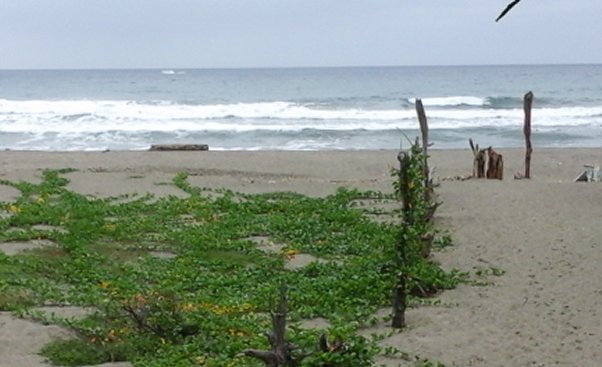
(510, 6)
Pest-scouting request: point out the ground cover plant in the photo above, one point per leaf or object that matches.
(182, 281)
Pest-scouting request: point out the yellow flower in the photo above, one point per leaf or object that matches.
(188, 307)
(14, 209)
(200, 360)
(235, 332)
(139, 298)
(41, 200)
(64, 219)
(217, 309)
(289, 254)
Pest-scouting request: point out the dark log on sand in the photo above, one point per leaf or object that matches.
(178, 147)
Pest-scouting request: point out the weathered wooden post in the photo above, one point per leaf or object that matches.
(400, 294)
(424, 130)
(495, 165)
(527, 104)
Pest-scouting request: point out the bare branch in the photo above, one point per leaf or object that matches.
(268, 357)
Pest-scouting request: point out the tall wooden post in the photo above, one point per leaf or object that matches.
(527, 104)
(400, 294)
(424, 130)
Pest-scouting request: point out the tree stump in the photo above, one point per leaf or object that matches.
(495, 165)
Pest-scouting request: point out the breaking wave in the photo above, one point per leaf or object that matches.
(97, 116)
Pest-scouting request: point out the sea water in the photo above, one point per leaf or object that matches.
(298, 108)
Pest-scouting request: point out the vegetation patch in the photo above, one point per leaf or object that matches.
(213, 301)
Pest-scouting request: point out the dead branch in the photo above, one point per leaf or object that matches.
(479, 159)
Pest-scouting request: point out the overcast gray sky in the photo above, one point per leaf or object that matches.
(282, 33)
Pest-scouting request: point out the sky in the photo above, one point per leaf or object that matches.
(85, 34)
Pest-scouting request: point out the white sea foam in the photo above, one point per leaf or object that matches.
(80, 116)
(452, 101)
(172, 72)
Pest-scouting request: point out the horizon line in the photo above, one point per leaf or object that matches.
(299, 67)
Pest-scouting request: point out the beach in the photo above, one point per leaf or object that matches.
(543, 234)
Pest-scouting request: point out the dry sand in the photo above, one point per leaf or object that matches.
(544, 233)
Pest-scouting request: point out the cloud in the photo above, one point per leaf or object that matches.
(240, 33)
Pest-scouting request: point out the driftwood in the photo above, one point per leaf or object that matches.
(495, 165)
(478, 166)
(591, 174)
(179, 147)
(457, 178)
(281, 351)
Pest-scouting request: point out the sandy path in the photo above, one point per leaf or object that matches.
(20, 340)
(546, 234)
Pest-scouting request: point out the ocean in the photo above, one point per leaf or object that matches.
(298, 108)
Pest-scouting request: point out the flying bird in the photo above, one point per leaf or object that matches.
(510, 6)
